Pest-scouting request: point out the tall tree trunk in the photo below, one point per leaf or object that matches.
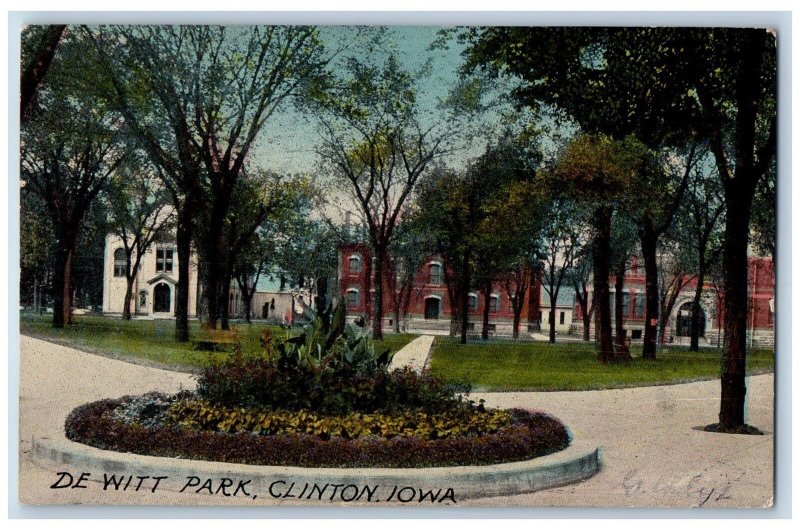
(602, 257)
(552, 315)
(466, 280)
(247, 296)
(126, 306)
(62, 288)
(407, 301)
(587, 322)
(321, 297)
(649, 251)
(62, 277)
(396, 323)
(184, 244)
(583, 301)
(731, 413)
(367, 290)
(694, 344)
(487, 297)
(619, 284)
(225, 300)
(519, 304)
(377, 324)
(35, 294)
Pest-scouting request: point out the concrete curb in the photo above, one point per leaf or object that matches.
(578, 462)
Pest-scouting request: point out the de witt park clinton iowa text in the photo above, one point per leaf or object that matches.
(397, 266)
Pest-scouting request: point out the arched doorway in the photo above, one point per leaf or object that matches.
(683, 327)
(432, 308)
(161, 298)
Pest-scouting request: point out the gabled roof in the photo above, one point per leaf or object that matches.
(566, 297)
(163, 277)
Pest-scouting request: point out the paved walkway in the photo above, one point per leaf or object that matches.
(652, 455)
(414, 354)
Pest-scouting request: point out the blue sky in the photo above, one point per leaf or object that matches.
(288, 138)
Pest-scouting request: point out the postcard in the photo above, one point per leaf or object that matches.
(385, 266)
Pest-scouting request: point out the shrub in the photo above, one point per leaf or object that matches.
(330, 368)
(204, 416)
(529, 435)
(261, 383)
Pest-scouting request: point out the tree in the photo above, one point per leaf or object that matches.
(39, 45)
(579, 276)
(37, 250)
(376, 142)
(137, 206)
(674, 275)
(196, 98)
(623, 244)
(764, 220)
(68, 153)
(561, 240)
(509, 218)
(700, 232)
(448, 208)
(604, 80)
(409, 249)
(306, 248)
(735, 83)
(598, 172)
(522, 213)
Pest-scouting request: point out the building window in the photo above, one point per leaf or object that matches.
(164, 260)
(354, 263)
(625, 304)
(142, 299)
(473, 302)
(561, 318)
(638, 308)
(494, 303)
(435, 274)
(120, 263)
(353, 298)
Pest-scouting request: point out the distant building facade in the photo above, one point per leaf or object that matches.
(157, 277)
(430, 308)
(761, 307)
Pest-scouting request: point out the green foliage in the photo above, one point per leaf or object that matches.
(598, 170)
(202, 415)
(328, 342)
(329, 368)
(764, 218)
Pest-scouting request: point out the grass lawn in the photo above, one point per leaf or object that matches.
(505, 365)
(153, 341)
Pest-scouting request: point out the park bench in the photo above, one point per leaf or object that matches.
(215, 339)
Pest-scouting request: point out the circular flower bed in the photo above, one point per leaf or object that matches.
(325, 398)
(152, 425)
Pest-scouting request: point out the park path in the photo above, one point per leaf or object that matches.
(652, 455)
(414, 354)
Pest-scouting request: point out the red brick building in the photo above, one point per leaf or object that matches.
(430, 307)
(761, 304)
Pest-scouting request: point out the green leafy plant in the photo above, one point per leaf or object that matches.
(201, 415)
